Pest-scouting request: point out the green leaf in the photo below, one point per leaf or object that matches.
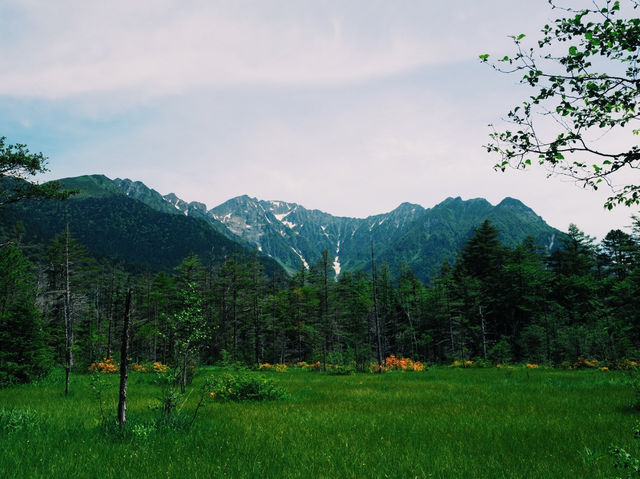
(559, 156)
(521, 36)
(484, 57)
(573, 50)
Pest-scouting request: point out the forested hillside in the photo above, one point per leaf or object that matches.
(119, 230)
(295, 236)
(495, 303)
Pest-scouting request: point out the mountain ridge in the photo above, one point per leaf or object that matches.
(421, 238)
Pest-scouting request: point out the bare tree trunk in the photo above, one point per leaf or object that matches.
(110, 317)
(68, 325)
(95, 348)
(154, 356)
(324, 308)
(484, 333)
(234, 304)
(375, 308)
(124, 362)
(256, 316)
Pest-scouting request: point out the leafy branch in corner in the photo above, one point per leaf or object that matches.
(586, 80)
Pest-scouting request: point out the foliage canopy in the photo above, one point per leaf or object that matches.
(18, 163)
(586, 79)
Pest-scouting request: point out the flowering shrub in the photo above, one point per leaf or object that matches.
(106, 366)
(582, 363)
(156, 367)
(160, 368)
(279, 367)
(461, 364)
(243, 386)
(627, 364)
(317, 366)
(504, 366)
(402, 364)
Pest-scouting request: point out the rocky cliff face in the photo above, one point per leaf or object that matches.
(418, 237)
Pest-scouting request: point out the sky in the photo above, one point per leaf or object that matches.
(347, 106)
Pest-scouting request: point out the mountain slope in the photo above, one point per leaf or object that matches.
(295, 237)
(421, 238)
(442, 230)
(100, 186)
(117, 228)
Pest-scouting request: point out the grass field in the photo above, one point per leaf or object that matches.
(441, 423)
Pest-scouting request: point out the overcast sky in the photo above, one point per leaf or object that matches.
(348, 106)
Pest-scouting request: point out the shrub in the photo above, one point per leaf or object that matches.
(106, 366)
(467, 363)
(279, 367)
(156, 367)
(624, 461)
(14, 420)
(243, 386)
(583, 363)
(145, 429)
(402, 364)
(317, 366)
(337, 370)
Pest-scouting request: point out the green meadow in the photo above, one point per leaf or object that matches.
(440, 423)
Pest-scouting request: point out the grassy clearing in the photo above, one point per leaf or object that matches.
(441, 423)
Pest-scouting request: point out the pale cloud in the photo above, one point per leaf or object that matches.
(154, 48)
(351, 107)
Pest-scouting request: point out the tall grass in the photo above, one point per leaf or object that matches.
(441, 423)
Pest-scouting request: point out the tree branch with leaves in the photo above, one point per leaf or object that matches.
(17, 165)
(585, 75)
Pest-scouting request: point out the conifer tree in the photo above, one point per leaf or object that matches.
(24, 355)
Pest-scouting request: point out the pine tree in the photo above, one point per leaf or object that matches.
(24, 355)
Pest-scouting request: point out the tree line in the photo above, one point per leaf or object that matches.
(494, 303)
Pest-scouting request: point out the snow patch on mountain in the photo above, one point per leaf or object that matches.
(288, 224)
(304, 262)
(336, 262)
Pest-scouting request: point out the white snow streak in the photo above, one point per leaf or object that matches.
(289, 225)
(306, 265)
(336, 261)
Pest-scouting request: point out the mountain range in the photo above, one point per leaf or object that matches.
(284, 233)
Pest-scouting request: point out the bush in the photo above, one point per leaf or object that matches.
(149, 367)
(624, 461)
(14, 420)
(337, 370)
(242, 386)
(145, 429)
(106, 366)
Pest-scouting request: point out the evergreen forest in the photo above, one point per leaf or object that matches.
(493, 305)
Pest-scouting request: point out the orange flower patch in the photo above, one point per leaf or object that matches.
(106, 366)
(401, 364)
